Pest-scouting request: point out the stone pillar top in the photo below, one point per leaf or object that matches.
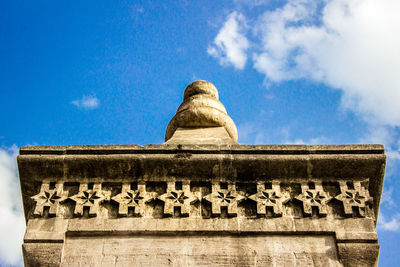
(201, 118)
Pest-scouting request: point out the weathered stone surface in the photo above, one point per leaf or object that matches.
(77, 164)
(201, 109)
(358, 254)
(200, 250)
(201, 199)
(209, 135)
(42, 254)
(199, 193)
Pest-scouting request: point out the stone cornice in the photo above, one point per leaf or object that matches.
(241, 163)
(204, 149)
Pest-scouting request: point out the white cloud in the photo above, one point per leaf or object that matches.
(392, 224)
(257, 133)
(390, 138)
(252, 3)
(355, 50)
(379, 135)
(394, 154)
(87, 102)
(312, 141)
(350, 45)
(12, 223)
(387, 198)
(230, 45)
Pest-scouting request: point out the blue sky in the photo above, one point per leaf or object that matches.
(113, 72)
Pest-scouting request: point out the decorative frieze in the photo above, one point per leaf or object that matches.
(354, 196)
(49, 198)
(133, 198)
(313, 197)
(270, 195)
(89, 198)
(223, 195)
(178, 195)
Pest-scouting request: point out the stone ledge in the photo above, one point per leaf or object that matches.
(56, 228)
(203, 149)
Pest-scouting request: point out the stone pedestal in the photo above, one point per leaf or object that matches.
(201, 205)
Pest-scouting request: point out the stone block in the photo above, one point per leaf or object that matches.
(42, 254)
(358, 254)
(202, 250)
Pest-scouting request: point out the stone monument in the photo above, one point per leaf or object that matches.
(201, 199)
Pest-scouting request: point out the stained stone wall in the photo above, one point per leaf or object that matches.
(201, 205)
(201, 250)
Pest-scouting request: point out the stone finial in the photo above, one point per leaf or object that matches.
(201, 109)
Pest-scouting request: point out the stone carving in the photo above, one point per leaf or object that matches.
(49, 198)
(223, 196)
(133, 198)
(201, 108)
(353, 195)
(313, 195)
(91, 198)
(175, 197)
(269, 197)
